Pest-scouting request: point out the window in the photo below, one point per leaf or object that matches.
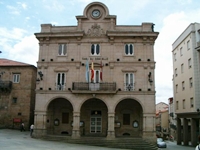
(16, 78)
(183, 85)
(181, 51)
(129, 49)
(65, 118)
(189, 63)
(14, 100)
(191, 82)
(129, 81)
(126, 119)
(95, 49)
(174, 56)
(191, 102)
(176, 88)
(182, 68)
(188, 45)
(62, 49)
(183, 103)
(60, 84)
(176, 74)
(176, 105)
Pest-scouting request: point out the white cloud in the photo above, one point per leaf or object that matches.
(54, 5)
(13, 10)
(18, 45)
(26, 50)
(14, 34)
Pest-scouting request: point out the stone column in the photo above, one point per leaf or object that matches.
(111, 125)
(40, 123)
(76, 125)
(179, 140)
(193, 132)
(185, 132)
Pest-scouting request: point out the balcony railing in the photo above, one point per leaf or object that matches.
(84, 86)
(60, 87)
(5, 86)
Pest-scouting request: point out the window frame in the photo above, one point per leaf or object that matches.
(189, 63)
(16, 78)
(129, 81)
(95, 49)
(60, 81)
(62, 49)
(127, 49)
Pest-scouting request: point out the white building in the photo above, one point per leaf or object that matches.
(186, 83)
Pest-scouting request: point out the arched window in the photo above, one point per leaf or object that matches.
(95, 49)
(60, 81)
(129, 81)
(129, 49)
(62, 49)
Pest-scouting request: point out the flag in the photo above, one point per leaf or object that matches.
(92, 71)
(87, 71)
(101, 71)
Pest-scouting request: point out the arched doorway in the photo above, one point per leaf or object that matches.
(94, 116)
(128, 118)
(59, 117)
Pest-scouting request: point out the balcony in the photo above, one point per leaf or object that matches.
(84, 87)
(5, 86)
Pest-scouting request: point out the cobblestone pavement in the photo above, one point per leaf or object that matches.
(16, 140)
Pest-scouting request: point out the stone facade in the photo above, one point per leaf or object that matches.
(17, 93)
(97, 77)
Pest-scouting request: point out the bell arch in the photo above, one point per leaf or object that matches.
(128, 118)
(59, 116)
(94, 116)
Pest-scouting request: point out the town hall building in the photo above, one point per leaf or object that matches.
(96, 78)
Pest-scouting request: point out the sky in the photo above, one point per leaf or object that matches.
(20, 19)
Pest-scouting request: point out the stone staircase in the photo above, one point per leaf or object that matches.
(122, 143)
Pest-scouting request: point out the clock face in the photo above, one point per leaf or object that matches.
(96, 13)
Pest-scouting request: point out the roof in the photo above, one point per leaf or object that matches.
(7, 62)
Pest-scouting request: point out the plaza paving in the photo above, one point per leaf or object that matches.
(16, 140)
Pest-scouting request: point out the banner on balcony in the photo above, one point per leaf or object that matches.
(101, 71)
(92, 72)
(87, 71)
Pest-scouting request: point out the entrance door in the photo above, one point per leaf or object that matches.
(95, 124)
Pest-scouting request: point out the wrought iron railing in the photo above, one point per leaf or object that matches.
(128, 87)
(5, 86)
(60, 87)
(84, 86)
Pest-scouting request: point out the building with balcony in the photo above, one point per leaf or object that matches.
(162, 120)
(96, 78)
(172, 119)
(186, 84)
(17, 93)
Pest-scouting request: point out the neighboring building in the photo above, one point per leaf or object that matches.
(17, 93)
(172, 119)
(162, 119)
(96, 78)
(186, 83)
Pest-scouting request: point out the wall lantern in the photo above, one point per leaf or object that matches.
(40, 74)
(150, 80)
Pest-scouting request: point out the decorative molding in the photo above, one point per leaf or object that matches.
(61, 70)
(95, 31)
(129, 70)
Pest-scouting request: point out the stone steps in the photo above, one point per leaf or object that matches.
(123, 143)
